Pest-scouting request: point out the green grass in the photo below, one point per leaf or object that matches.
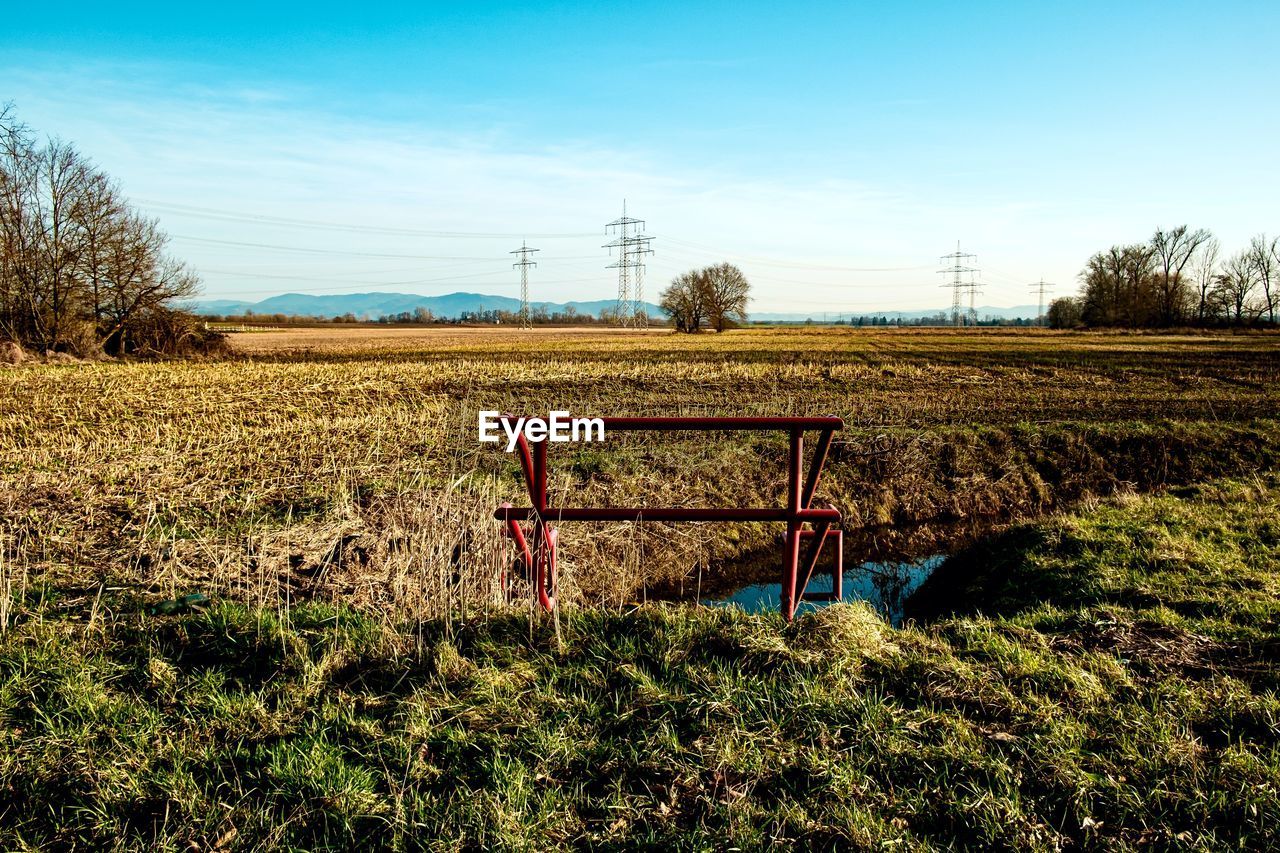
(1103, 679)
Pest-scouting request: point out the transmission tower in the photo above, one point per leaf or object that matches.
(973, 289)
(523, 265)
(632, 246)
(957, 271)
(1042, 286)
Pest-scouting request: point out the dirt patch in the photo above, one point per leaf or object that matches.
(1149, 648)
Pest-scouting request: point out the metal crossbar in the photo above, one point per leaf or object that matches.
(536, 549)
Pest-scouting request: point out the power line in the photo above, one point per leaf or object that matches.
(279, 248)
(957, 271)
(632, 246)
(775, 262)
(840, 285)
(344, 281)
(523, 264)
(231, 216)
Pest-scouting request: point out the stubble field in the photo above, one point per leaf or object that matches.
(1098, 669)
(345, 462)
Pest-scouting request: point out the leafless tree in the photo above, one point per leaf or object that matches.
(141, 278)
(17, 237)
(1102, 289)
(726, 292)
(1119, 287)
(102, 222)
(58, 201)
(1063, 313)
(716, 295)
(1173, 251)
(683, 302)
(1204, 276)
(1237, 283)
(78, 267)
(1265, 257)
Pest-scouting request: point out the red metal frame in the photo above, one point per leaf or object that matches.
(536, 552)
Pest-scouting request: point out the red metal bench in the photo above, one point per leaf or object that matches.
(536, 550)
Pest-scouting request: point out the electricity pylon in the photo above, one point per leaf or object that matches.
(973, 288)
(1042, 286)
(523, 264)
(632, 246)
(957, 283)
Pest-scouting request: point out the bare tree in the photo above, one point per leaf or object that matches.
(1173, 250)
(1119, 287)
(726, 292)
(1266, 268)
(1102, 288)
(58, 202)
(1275, 251)
(1063, 313)
(1237, 283)
(683, 302)
(1139, 264)
(78, 268)
(140, 280)
(102, 223)
(1204, 276)
(17, 232)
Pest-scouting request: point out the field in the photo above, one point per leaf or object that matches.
(347, 464)
(1112, 498)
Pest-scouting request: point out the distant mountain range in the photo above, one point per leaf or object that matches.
(372, 306)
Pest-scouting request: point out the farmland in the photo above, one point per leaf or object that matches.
(250, 474)
(324, 488)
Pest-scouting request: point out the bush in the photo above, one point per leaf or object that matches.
(169, 332)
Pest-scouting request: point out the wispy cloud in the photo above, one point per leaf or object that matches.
(262, 150)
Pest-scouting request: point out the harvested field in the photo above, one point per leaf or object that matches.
(344, 463)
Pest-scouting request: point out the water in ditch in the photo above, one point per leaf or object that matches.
(885, 585)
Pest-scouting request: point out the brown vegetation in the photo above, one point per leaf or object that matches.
(80, 271)
(347, 466)
(1176, 278)
(716, 295)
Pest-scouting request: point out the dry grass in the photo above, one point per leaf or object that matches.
(343, 463)
(271, 340)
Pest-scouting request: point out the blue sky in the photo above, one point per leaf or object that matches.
(832, 150)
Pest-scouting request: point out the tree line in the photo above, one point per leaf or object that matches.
(1176, 278)
(422, 316)
(81, 271)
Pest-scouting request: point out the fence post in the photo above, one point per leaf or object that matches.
(791, 559)
(544, 541)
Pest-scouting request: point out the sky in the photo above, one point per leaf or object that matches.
(834, 151)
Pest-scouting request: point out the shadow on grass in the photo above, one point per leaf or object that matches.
(1000, 577)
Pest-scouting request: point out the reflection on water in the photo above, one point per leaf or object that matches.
(886, 586)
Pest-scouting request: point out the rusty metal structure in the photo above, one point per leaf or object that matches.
(808, 529)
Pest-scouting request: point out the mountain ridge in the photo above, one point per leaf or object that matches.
(377, 304)
(374, 305)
